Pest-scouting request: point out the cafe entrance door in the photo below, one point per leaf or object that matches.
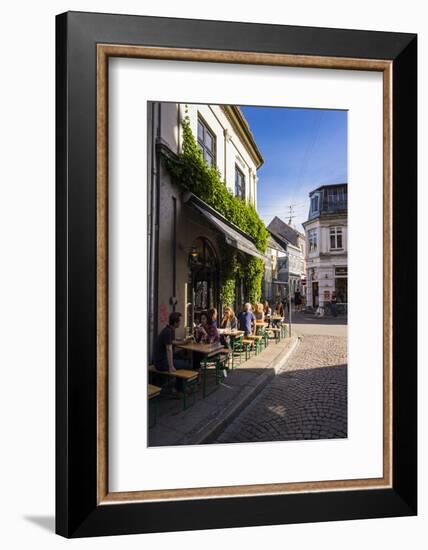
(203, 280)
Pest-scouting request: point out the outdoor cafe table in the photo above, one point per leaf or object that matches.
(204, 349)
(231, 332)
(261, 325)
(207, 350)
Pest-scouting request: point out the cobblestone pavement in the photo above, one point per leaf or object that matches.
(307, 399)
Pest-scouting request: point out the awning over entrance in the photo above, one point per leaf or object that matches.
(232, 234)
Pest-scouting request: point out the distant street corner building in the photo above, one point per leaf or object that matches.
(327, 246)
(291, 269)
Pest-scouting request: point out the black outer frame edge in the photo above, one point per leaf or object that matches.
(225, 513)
(405, 274)
(76, 512)
(236, 36)
(61, 251)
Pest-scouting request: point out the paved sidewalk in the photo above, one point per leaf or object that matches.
(207, 418)
(307, 399)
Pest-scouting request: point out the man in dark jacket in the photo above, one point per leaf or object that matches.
(163, 356)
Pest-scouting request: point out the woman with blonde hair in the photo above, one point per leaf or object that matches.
(229, 320)
(259, 313)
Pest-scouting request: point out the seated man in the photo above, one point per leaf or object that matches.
(163, 357)
(247, 320)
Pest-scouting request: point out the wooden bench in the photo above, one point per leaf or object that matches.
(284, 329)
(153, 392)
(276, 333)
(189, 378)
(218, 362)
(257, 340)
(248, 345)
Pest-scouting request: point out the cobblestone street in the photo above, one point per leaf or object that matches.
(307, 399)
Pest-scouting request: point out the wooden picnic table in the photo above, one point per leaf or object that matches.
(205, 349)
(261, 324)
(276, 318)
(231, 332)
(153, 390)
(208, 350)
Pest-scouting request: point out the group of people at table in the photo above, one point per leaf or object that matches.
(208, 332)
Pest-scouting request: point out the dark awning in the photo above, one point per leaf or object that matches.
(232, 234)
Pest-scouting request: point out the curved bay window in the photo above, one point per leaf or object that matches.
(203, 280)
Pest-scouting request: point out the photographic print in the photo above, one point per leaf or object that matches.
(248, 272)
(205, 274)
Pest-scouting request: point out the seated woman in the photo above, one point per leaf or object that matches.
(267, 309)
(212, 315)
(206, 332)
(259, 313)
(213, 333)
(279, 310)
(201, 330)
(229, 320)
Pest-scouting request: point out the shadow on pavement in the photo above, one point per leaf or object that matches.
(298, 404)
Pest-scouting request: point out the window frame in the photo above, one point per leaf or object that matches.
(315, 198)
(202, 144)
(335, 231)
(312, 240)
(241, 172)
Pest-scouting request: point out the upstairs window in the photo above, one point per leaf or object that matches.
(336, 238)
(337, 198)
(312, 240)
(206, 142)
(239, 183)
(315, 203)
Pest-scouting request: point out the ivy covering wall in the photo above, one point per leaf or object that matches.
(190, 171)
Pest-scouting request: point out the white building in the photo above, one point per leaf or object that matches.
(326, 244)
(275, 280)
(224, 137)
(185, 235)
(293, 269)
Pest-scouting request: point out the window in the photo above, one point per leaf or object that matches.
(312, 239)
(315, 203)
(337, 198)
(239, 184)
(336, 242)
(206, 142)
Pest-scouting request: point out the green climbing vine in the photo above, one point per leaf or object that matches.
(189, 170)
(254, 275)
(229, 270)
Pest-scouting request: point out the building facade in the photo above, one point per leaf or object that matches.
(292, 269)
(275, 281)
(327, 246)
(185, 235)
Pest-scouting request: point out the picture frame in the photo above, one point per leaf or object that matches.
(84, 43)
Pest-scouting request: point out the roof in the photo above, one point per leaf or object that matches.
(281, 229)
(328, 186)
(276, 243)
(241, 126)
(233, 235)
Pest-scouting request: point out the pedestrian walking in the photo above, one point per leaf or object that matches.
(334, 304)
(297, 300)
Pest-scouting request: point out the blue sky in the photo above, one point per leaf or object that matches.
(302, 149)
